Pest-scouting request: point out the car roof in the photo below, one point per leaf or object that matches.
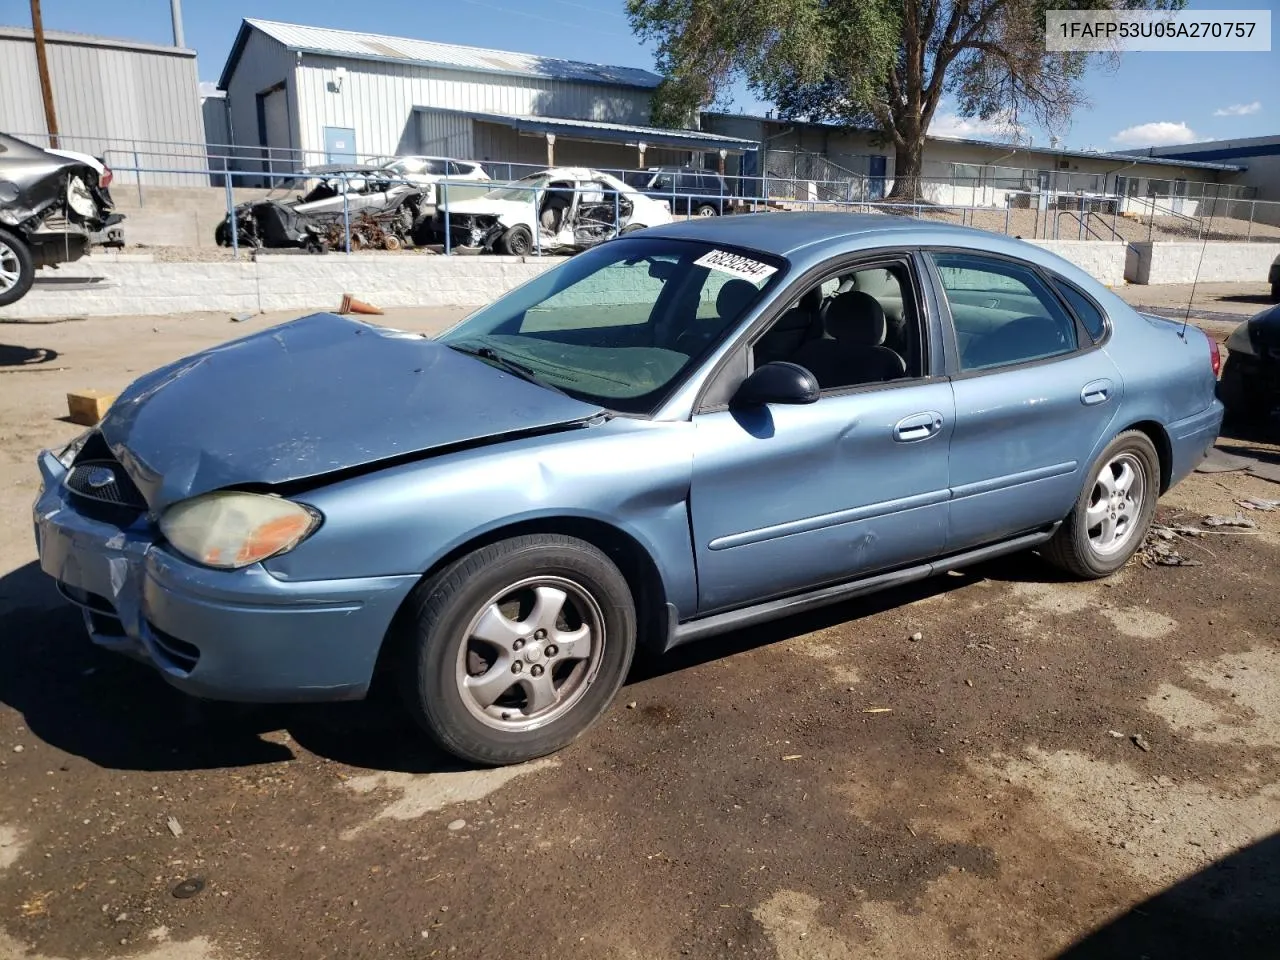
(784, 233)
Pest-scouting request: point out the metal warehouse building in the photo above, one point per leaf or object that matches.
(135, 104)
(301, 95)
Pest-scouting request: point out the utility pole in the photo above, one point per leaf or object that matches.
(42, 66)
(175, 11)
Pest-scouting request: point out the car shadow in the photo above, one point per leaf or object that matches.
(1229, 909)
(1018, 568)
(119, 714)
(122, 715)
(1259, 298)
(16, 356)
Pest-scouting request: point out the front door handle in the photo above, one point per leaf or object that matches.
(918, 426)
(1095, 392)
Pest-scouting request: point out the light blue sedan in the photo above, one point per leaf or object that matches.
(677, 433)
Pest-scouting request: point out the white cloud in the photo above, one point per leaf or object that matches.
(1000, 127)
(1158, 134)
(1238, 109)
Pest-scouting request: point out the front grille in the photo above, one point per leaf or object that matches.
(106, 482)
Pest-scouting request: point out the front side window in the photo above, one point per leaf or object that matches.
(855, 328)
(1003, 313)
(620, 324)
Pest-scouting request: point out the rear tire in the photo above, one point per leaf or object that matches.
(17, 268)
(514, 650)
(1275, 292)
(706, 210)
(1082, 546)
(516, 242)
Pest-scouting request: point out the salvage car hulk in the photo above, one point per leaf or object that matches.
(51, 204)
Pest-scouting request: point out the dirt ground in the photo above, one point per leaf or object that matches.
(1055, 769)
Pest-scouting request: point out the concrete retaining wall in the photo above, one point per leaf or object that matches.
(118, 285)
(1173, 262)
(1102, 260)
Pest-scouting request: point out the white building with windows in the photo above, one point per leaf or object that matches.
(300, 96)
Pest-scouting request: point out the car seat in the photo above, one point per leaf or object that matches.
(791, 330)
(855, 352)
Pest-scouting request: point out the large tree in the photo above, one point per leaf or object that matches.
(870, 63)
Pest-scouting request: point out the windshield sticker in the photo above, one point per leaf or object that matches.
(735, 264)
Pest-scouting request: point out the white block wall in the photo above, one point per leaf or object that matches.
(1215, 262)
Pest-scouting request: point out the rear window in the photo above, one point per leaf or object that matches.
(1095, 322)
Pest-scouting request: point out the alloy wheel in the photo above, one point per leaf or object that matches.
(1115, 504)
(530, 653)
(10, 267)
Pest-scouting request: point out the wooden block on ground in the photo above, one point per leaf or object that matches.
(88, 407)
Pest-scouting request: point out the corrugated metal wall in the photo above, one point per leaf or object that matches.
(377, 100)
(264, 63)
(500, 144)
(446, 135)
(112, 100)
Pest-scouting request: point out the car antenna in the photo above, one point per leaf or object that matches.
(1186, 317)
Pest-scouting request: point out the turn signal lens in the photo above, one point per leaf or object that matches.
(230, 529)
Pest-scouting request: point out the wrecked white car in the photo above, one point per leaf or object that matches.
(426, 172)
(570, 208)
(51, 205)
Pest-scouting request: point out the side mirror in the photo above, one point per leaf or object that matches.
(777, 382)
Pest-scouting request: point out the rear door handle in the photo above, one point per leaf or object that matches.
(1095, 392)
(918, 426)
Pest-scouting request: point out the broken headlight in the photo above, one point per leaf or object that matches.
(231, 529)
(72, 450)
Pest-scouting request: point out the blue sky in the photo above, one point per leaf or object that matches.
(1152, 98)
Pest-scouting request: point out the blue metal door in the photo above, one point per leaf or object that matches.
(876, 171)
(339, 145)
(790, 497)
(1034, 400)
(1023, 443)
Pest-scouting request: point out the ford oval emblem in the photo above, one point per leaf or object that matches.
(99, 477)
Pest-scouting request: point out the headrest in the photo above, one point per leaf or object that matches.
(733, 298)
(878, 283)
(856, 318)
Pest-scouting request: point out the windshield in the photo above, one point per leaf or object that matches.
(621, 323)
(522, 190)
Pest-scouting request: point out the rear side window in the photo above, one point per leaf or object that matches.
(1095, 323)
(1003, 312)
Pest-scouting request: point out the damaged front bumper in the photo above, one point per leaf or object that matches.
(467, 230)
(221, 634)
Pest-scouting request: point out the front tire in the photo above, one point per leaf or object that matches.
(514, 650)
(1113, 512)
(706, 210)
(17, 268)
(516, 242)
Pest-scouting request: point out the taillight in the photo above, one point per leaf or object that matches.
(107, 176)
(1215, 356)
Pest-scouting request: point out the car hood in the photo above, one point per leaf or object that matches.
(312, 397)
(482, 206)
